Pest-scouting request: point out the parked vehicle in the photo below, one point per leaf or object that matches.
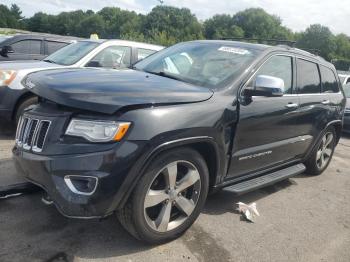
(31, 46)
(14, 98)
(344, 77)
(347, 109)
(150, 143)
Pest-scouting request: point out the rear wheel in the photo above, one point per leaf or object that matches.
(168, 198)
(322, 155)
(24, 105)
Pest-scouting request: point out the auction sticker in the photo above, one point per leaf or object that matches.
(234, 50)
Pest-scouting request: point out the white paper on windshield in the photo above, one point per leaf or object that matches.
(234, 50)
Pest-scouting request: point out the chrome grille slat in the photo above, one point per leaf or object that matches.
(41, 135)
(31, 133)
(20, 122)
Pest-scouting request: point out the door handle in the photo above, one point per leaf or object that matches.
(292, 105)
(326, 102)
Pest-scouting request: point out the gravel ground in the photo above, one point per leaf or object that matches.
(302, 219)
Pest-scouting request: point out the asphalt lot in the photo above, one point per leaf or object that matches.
(302, 219)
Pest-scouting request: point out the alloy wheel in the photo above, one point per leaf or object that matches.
(172, 196)
(325, 150)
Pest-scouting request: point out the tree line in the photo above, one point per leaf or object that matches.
(167, 25)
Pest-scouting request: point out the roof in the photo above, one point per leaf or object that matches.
(46, 36)
(126, 43)
(235, 43)
(264, 47)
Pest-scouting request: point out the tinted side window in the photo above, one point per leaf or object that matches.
(53, 46)
(34, 46)
(281, 67)
(329, 82)
(308, 77)
(21, 47)
(27, 47)
(143, 53)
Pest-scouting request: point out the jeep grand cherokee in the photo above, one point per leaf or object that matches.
(149, 143)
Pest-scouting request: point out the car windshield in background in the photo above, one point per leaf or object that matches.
(347, 90)
(72, 53)
(3, 38)
(342, 78)
(205, 64)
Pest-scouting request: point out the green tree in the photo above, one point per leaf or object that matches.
(16, 12)
(173, 23)
(257, 23)
(40, 22)
(320, 38)
(221, 26)
(120, 22)
(90, 25)
(9, 17)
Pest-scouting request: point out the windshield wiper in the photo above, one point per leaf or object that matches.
(162, 73)
(49, 61)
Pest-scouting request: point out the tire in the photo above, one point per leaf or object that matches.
(24, 105)
(146, 223)
(322, 154)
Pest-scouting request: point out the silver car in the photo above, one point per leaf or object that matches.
(116, 54)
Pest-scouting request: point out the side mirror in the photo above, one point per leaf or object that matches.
(266, 86)
(7, 49)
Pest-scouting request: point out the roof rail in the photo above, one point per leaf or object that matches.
(262, 40)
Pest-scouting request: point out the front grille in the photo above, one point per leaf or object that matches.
(31, 133)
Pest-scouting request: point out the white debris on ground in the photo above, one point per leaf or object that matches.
(249, 211)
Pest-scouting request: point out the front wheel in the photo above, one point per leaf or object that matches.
(322, 155)
(23, 106)
(168, 198)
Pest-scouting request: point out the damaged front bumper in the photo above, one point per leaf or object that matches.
(81, 185)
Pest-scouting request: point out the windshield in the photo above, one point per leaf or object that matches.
(342, 79)
(3, 38)
(211, 65)
(347, 90)
(72, 53)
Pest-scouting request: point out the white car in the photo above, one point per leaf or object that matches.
(117, 54)
(344, 78)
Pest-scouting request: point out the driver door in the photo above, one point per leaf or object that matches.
(265, 134)
(116, 57)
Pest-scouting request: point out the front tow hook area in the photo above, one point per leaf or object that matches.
(17, 190)
(46, 199)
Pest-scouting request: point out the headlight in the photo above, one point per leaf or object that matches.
(6, 77)
(98, 131)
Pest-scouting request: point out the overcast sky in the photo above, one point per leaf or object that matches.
(295, 14)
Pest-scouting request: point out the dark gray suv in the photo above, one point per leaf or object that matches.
(151, 142)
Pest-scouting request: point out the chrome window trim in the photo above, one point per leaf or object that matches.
(256, 70)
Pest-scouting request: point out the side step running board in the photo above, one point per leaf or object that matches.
(266, 180)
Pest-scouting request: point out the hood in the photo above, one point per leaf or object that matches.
(108, 90)
(26, 64)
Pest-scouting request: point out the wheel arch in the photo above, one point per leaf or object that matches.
(205, 146)
(20, 100)
(337, 124)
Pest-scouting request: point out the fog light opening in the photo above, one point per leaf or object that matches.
(81, 185)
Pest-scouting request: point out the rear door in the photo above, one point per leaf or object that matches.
(265, 134)
(315, 105)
